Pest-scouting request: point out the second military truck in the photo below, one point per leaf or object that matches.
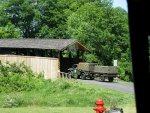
(85, 71)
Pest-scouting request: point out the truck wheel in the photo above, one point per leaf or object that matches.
(78, 77)
(91, 78)
(110, 79)
(83, 77)
(102, 78)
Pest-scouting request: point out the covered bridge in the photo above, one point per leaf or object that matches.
(68, 51)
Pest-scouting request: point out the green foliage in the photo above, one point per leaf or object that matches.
(21, 14)
(91, 58)
(103, 30)
(51, 19)
(10, 102)
(65, 93)
(16, 78)
(83, 23)
(125, 68)
(10, 31)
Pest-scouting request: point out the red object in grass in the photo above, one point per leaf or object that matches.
(99, 106)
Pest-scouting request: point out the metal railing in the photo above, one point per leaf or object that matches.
(65, 75)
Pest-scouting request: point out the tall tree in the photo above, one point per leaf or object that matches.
(103, 29)
(53, 16)
(21, 14)
(50, 19)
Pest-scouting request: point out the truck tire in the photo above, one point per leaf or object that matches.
(91, 76)
(83, 76)
(78, 77)
(102, 78)
(110, 79)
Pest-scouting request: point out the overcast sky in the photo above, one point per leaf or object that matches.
(121, 3)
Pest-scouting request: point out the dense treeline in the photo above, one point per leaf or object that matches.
(95, 23)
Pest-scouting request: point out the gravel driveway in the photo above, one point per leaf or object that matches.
(119, 86)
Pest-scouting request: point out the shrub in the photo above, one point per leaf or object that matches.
(10, 102)
(16, 77)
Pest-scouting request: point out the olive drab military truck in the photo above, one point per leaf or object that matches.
(90, 71)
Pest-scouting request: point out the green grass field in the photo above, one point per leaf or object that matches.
(64, 93)
(63, 96)
(127, 109)
(22, 92)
